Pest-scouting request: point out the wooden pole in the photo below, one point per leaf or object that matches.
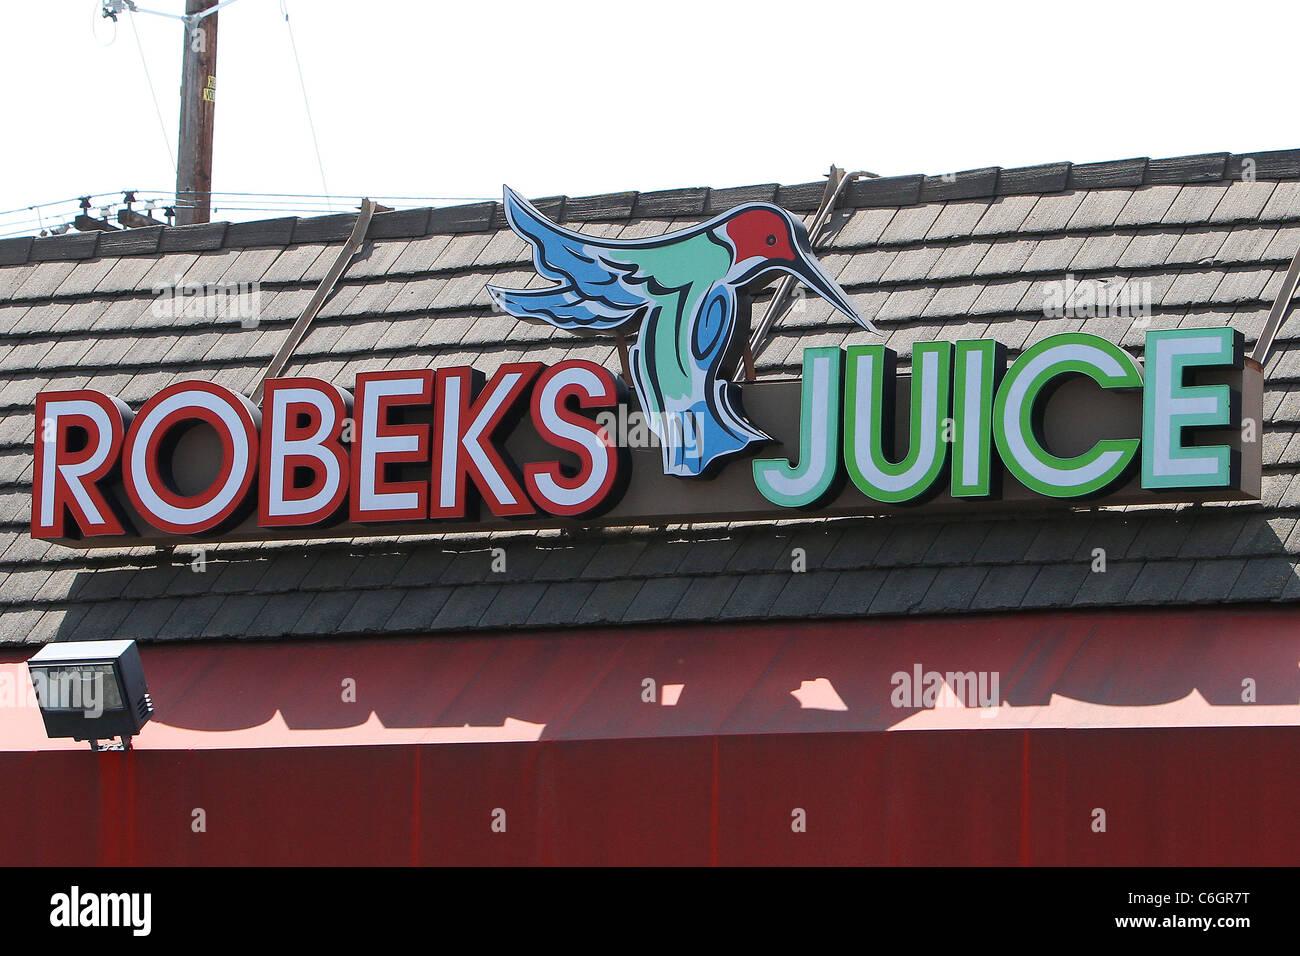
(198, 107)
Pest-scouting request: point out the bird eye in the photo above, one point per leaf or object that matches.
(771, 240)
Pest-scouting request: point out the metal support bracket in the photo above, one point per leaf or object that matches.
(1281, 309)
(303, 322)
(836, 181)
(621, 341)
(111, 8)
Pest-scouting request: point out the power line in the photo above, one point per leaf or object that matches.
(35, 217)
(30, 228)
(268, 197)
(306, 105)
(149, 79)
(59, 202)
(242, 201)
(340, 196)
(30, 218)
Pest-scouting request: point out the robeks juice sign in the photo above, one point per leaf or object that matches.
(1073, 420)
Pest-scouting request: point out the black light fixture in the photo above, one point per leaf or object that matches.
(91, 690)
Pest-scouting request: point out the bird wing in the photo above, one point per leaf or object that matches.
(593, 293)
(561, 307)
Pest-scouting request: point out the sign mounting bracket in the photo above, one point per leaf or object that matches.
(1281, 309)
(836, 182)
(303, 322)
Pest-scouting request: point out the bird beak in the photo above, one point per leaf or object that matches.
(810, 272)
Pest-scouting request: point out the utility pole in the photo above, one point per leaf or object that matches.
(198, 107)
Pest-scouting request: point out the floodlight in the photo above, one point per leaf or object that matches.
(91, 690)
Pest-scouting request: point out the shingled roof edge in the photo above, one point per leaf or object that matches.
(988, 182)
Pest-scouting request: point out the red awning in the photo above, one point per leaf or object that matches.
(1078, 670)
(763, 744)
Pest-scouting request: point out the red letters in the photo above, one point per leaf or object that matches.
(465, 445)
(291, 449)
(378, 443)
(414, 447)
(67, 479)
(148, 467)
(601, 462)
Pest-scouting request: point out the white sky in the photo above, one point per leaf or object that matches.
(455, 98)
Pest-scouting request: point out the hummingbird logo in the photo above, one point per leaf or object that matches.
(677, 294)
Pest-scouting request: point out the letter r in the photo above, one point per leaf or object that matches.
(79, 438)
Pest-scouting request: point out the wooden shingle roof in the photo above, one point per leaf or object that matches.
(923, 257)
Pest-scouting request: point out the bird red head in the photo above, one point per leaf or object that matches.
(761, 233)
(767, 239)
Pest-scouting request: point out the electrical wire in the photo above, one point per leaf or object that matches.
(279, 212)
(25, 220)
(33, 216)
(278, 207)
(19, 234)
(60, 202)
(306, 105)
(271, 199)
(335, 196)
(149, 79)
(245, 201)
(268, 198)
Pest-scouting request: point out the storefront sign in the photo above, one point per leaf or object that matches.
(1073, 420)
